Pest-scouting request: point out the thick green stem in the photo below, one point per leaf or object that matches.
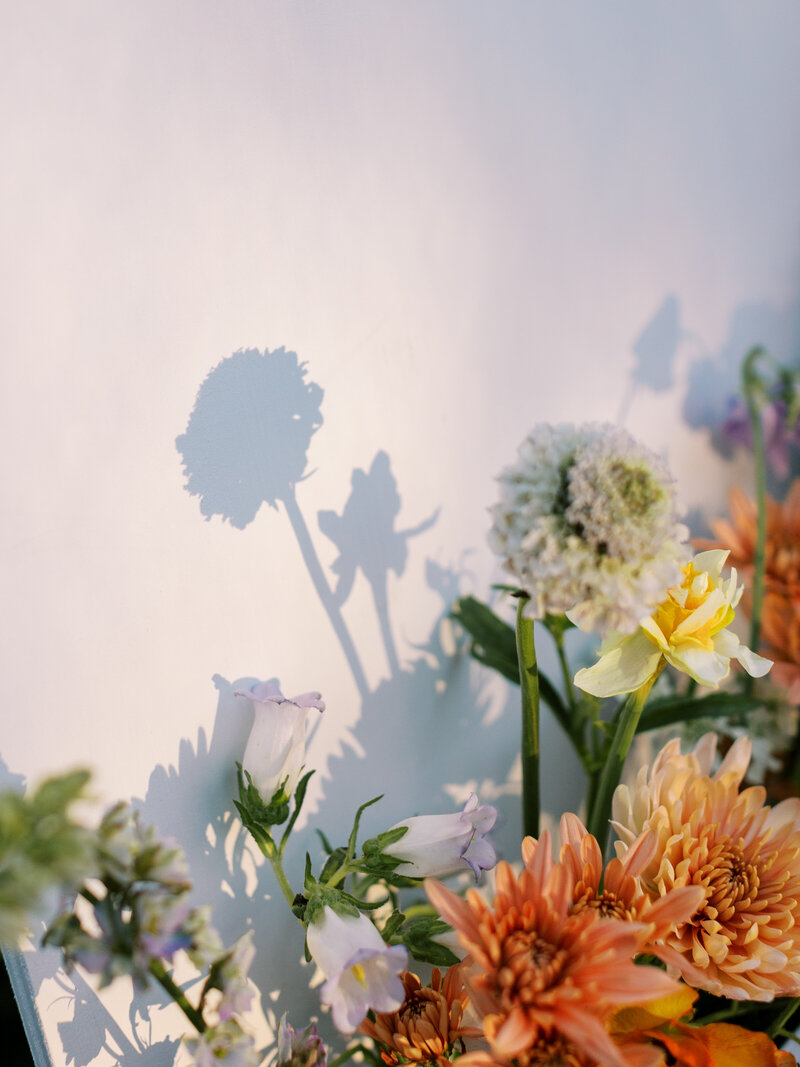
(612, 768)
(753, 391)
(165, 980)
(529, 691)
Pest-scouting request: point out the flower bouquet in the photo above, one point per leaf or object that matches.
(678, 944)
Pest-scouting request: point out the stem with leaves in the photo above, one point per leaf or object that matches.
(529, 691)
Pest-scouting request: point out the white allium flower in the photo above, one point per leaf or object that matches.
(361, 970)
(437, 845)
(588, 524)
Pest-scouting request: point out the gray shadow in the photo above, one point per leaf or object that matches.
(365, 536)
(245, 445)
(655, 350)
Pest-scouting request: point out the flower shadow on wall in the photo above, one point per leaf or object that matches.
(246, 444)
(366, 538)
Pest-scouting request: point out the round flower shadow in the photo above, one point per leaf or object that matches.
(248, 433)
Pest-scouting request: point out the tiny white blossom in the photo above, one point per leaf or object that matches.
(437, 845)
(587, 524)
(360, 969)
(276, 747)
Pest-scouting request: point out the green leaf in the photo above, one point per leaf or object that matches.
(351, 844)
(325, 843)
(417, 935)
(299, 797)
(494, 643)
(333, 863)
(666, 711)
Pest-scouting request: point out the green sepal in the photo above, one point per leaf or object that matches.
(388, 837)
(417, 935)
(351, 843)
(332, 864)
(309, 881)
(322, 896)
(299, 797)
(299, 905)
(256, 815)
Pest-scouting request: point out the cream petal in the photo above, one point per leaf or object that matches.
(712, 561)
(622, 670)
(755, 665)
(707, 668)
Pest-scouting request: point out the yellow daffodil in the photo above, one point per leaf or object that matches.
(689, 630)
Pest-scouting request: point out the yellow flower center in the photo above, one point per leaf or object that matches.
(358, 972)
(681, 603)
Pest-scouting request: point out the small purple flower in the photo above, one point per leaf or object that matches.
(778, 433)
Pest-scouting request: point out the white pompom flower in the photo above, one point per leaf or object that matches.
(361, 971)
(588, 524)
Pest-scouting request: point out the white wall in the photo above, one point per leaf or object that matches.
(464, 217)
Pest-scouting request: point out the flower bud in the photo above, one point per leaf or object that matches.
(437, 845)
(276, 747)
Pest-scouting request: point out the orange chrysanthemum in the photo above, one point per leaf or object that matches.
(745, 938)
(614, 891)
(428, 1022)
(543, 973)
(780, 628)
(782, 549)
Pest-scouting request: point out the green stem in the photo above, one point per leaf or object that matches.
(341, 874)
(529, 691)
(612, 768)
(165, 980)
(577, 733)
(753, 392)
(781, 1020)
(349, 1053)
(280, 877)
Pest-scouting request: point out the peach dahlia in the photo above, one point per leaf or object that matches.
(745, 937)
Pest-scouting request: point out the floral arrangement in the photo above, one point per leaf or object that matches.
(681, 947)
